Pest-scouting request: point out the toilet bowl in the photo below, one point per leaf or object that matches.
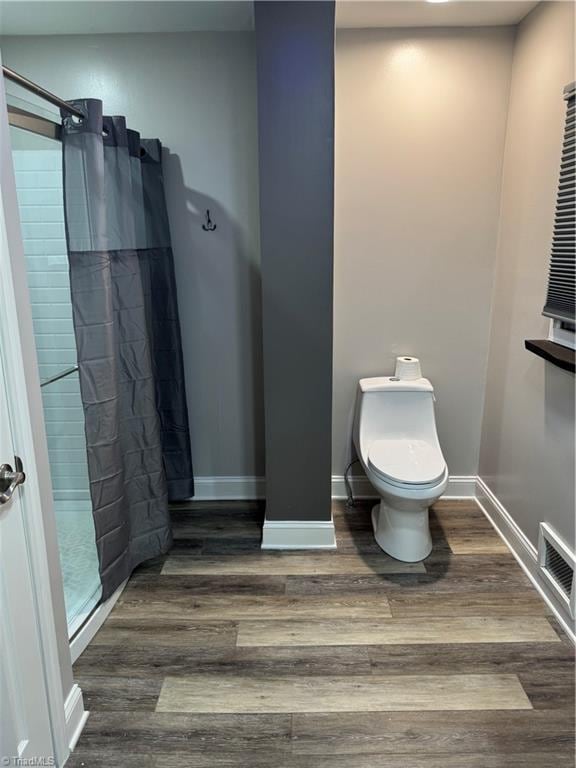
(397, 444)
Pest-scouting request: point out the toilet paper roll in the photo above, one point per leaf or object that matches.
(408, 368)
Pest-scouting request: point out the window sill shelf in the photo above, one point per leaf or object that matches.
(563, 357)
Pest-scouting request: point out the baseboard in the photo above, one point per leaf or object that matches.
(523, 550)
(229, 488)
(249, 487)
(360, 485)
(459, 487)
(75, 716)
(84, 636)
(298, 534)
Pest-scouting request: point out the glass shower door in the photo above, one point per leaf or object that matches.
(38, 168)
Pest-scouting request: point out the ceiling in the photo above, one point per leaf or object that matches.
(465, 13)
(72, 17)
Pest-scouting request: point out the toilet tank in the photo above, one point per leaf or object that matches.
(390, 408)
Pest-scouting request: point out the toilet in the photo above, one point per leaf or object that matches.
(396, 441)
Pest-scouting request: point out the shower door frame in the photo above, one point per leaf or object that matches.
(82, 636)
(27, 121)
(65, 701)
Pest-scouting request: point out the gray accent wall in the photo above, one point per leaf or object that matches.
(295, 60)
(197, 92)
(420, 128)
(527, 450)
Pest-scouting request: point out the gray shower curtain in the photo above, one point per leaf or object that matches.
(128, 337)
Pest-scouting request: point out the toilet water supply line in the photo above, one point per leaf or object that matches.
(350, 501)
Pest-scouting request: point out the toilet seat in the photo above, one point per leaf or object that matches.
(407, 462)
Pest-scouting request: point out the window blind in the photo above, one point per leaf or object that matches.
(561, 279)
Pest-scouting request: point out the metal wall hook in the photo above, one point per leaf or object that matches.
(209, 226)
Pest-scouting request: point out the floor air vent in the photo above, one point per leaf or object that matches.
(557, 563)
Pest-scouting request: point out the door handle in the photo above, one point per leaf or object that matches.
(10, 479)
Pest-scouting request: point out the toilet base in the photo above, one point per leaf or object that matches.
(402, 533)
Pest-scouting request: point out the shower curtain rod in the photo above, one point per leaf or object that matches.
(37, 90)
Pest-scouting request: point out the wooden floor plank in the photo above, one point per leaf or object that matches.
(167, 588)
(551, 659)
(304, 661)
(234, 607)
(279, 564)
(192, 521)
(394, 631)
(549, 690)
(107, 755)
(119, 694)
(142, 732)
(396, 733)
(504, 603)
(465, 573)
(470, 544)
(230, 545)
(152, 661)
(115, 756)
(467, 532)
(157, 661)
(158, 631)
(225, 694)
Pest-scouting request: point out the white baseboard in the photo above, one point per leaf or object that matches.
(248, 487)
(524, 551)
(75, 716)
(361, 487)
(83, 637)
(459, 487)
(298, 534)
(229, 488)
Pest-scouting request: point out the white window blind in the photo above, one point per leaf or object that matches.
(561, 279)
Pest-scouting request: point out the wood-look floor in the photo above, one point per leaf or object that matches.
(222, 656)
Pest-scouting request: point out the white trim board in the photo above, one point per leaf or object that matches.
(459, 487)
(75, 716)
(524, 552)
(298, 534)
(229, 488)
(249, 487)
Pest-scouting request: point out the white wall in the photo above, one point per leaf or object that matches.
(420, 125)
(527, 456)
(196, 92)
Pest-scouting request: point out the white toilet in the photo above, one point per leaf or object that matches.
(396, 441)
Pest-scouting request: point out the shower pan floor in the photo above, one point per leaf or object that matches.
(79, 561)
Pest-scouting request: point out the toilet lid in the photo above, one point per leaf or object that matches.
(405, 460)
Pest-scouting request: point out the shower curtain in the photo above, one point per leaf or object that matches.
(128, 337)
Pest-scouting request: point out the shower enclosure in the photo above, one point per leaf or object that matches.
(37, 159)
(102, 288)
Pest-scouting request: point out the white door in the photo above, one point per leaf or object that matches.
(25, 730)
